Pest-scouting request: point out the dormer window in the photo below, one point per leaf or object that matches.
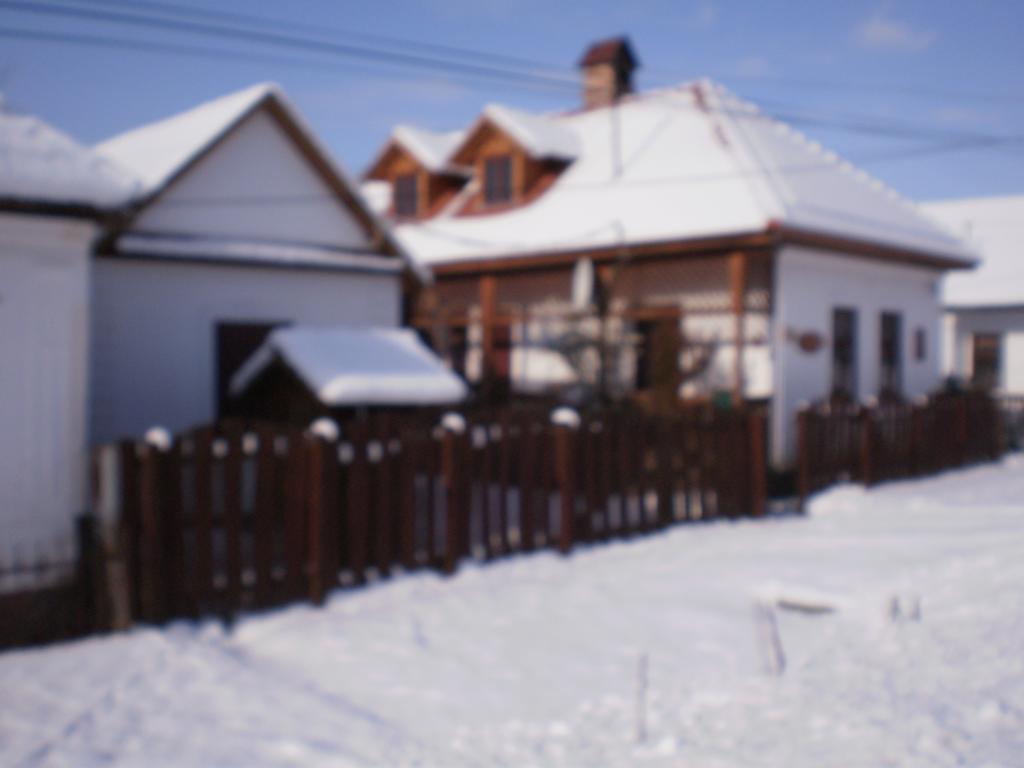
(406, 199)
(498, 179)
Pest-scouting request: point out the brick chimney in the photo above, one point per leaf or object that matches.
(607, 71)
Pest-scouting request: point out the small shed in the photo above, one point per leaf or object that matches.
(301, 373)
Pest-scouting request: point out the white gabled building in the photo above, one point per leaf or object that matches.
(245, 224)
(985, 308)
(774, 269)
(54, 194)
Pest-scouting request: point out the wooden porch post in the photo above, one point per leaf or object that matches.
(738, 290)
(489, 311)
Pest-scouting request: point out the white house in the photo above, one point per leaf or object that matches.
(985, 308)
(53, 196)
(245, 224)
(764, 263)
(136, 279)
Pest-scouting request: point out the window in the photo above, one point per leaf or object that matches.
(844, 353)
(891, 374)
(406, 202)
(920, 345)
(985, 356)
(498, 179)
(235, 343)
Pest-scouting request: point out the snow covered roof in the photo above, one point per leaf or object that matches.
(676, 164)
(40, 164)
(157, 151)
(994, 227)
(431, 149)
(346, 366)
(216, 249)
(541, 136)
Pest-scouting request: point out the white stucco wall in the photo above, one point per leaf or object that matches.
(153, 330)
(809, 284)
(1008, 323)
(256, 185)
(43, 349)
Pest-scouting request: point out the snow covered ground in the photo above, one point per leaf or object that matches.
(536, 660)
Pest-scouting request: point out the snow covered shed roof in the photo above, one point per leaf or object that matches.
(677, 164)
(41, 165)
(345, 366)
(994, 227)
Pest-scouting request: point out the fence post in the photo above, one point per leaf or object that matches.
(803, 480)
(867, 445)
(565, 422)
(154, 492)
(758, 477)
(88, 575)
(319, 456)
(453, 426)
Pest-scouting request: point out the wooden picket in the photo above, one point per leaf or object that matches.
(236, 517)
(877, 443)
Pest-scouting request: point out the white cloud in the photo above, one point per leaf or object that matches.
(964, 116)
(706, 15)
(881, 31)
(752, 66)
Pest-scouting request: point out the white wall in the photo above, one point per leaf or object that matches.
(153, 342)
(43, 354)
(809, 284)
(1008, 323)
(256, 185)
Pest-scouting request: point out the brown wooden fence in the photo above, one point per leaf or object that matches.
(235, 517)
(838, 442)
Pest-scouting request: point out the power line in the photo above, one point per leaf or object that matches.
(322, 31)
(864, 125)
(348, 51)
(147, 46)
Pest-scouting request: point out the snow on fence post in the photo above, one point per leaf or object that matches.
(321, 553)
(565, 422)
(453, 426)
(152, 494)
(758, 476)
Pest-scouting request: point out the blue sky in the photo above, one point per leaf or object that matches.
(881, 83)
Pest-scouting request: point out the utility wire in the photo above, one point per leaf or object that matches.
(854, 124)
(307, 45)
(262, 22)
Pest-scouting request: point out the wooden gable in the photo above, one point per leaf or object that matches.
(530, 176)
(433, 190)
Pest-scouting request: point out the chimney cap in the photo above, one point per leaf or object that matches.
(615, 50)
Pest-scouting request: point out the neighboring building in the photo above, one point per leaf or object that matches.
(722, 241)
(53, 196)
(984, 340)
(245, 225)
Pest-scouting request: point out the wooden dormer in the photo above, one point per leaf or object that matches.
(417, 191)
(507, 173)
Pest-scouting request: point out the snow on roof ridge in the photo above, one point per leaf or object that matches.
(41, 163)
(432, 148)
(157, 150)
(539, 134)
(832, 157)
